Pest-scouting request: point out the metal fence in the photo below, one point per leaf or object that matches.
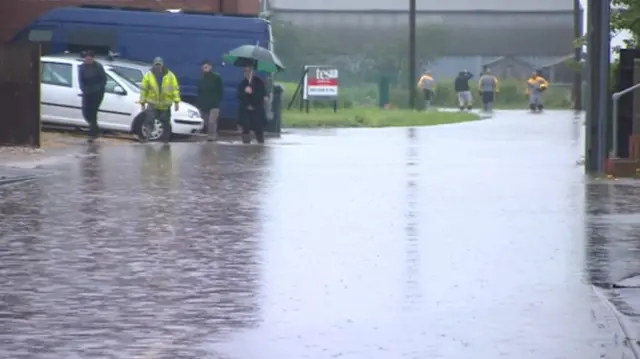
(20, 95)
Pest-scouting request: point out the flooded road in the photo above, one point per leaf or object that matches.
(473, 240)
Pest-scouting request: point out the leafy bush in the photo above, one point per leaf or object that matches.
(512, 95)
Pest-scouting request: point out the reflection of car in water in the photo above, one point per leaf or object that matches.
(61, 103)
(183, 40)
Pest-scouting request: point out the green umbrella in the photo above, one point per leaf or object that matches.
(253, 55)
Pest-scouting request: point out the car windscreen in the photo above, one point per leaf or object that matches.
(133, 76)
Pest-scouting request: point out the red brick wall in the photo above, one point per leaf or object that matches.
(246, 7)
(17, 14)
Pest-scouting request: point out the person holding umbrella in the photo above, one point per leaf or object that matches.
(251, 96)
(252, 92)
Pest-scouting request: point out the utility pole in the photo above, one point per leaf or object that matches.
(577, 34)
(598, 62)
(412, 54)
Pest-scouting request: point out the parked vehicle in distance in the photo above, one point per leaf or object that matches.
(61, 102)
(183, 40)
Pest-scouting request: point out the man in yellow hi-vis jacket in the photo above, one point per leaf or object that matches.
(159, 90)
(536, 85)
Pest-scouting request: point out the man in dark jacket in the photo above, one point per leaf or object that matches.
(461, 84)
(251, 95)
(210, 91)
(93, 81)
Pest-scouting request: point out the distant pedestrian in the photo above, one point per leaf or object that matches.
(461, 84)
(93, 80)
(159, 90)
(428, 85)
(488, 86)
(251, 95)
(210, 91)
(536, 85)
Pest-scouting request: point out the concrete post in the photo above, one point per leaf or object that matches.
(598, 32)
(604, 93)
(412, 55)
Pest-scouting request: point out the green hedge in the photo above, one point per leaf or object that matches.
(512, 95)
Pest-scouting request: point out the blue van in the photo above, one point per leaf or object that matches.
(183, 40)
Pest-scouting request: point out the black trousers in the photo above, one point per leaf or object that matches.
(162, 115)
(90, 106)
(487, 97)
(428, 95)
(252, 120)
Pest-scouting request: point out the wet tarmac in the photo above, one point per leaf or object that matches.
(478, 240)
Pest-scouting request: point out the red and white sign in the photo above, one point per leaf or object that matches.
(321, 83)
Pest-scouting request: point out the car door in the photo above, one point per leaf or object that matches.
(60, 103)
(118, 105)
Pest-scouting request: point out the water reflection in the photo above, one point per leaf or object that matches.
(92, 205)
(227, 184)
(126, 255)
(159, 184)
(598, 197)
(613, 250)
(157, 167)
(577, 129)
(412, 228)
(20, 210)
(21, 217)
(613, 230)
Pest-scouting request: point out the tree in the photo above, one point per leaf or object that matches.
(626, 16)
(389, 55)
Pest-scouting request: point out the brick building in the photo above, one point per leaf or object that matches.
(17, 14)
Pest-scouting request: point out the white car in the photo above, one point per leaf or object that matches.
(61, 103)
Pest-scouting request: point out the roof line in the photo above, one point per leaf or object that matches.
(512, 58)
(561, 60)
(429, 12)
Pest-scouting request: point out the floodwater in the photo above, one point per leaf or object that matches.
(480, 240)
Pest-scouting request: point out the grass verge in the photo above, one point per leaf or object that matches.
(371, 117)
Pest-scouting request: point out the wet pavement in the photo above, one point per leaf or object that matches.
(478, 240)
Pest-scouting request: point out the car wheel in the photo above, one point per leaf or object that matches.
(156, 131)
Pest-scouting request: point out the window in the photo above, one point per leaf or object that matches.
(111, 85)
(54, 73)
(37, 35)
(40, 36)
(132, 75)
